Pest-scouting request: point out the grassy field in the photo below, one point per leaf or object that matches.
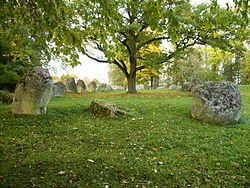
(159, 145)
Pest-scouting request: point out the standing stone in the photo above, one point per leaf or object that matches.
(58, 88)
(186, 86)
(173, 87)
(81, 87)
(109, 88)
(91, 87)
(33, 92)
(119, 88)
(195, 82)
(140, 87)
(161, 88)
(217, 103)
(71, 85)
(102, 87)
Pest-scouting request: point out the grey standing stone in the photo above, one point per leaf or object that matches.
(92, 87)
(140, 87)
(81, 87)
(102, 87)
(109, 88)
(186, 86)
(58, 88)
(173, 87)
(71, 85)
(196, 82)
(161, 88)
(33, 92)
(119, 88)
(217, 103)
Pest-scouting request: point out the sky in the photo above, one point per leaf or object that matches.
(92, 69)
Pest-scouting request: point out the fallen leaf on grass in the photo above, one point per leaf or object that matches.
(236, 164)
(217, 164)
(177, 155)
(90, 160)
(61, 172)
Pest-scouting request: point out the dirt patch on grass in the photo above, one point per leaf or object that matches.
(139, 94)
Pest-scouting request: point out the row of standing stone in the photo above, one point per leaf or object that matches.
(70, 86)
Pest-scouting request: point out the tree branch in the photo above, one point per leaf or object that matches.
(95, 59)
(152, 40)
(140, 68)
(125, 44)
(122, 67)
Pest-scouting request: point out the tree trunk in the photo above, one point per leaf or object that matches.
(132, 82)
(132, 75)
(151, 82)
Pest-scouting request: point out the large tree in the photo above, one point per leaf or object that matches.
(63, 28)
(130, 26)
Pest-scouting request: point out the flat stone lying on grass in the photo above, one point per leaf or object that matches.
(33, 92)
(217, 103)
(106, 109)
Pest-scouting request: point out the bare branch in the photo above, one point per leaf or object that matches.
(95, 59)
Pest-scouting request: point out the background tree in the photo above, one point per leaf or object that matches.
(116, 76)
(245, 70)
(186, 66)
(65, 77)
(129, 26)
(13, 67)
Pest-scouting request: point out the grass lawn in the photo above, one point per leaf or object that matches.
(159, 145)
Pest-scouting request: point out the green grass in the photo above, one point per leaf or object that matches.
(158, 145)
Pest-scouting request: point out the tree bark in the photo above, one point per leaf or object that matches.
(132, 83)
(132, 75)
(151, 82)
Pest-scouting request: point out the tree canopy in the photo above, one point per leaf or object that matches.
(129, 26)
(65, 28)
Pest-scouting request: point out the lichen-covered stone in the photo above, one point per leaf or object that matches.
(102, 87)
(186, 86)
(173, 87)
(71, 85)
(58, 88)
(104, 109)
(119, 88)
(6, 97)
(81, 87)
(109, 88)
(92, 87)
(33, 92)
(140, 87)
(217, 103)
